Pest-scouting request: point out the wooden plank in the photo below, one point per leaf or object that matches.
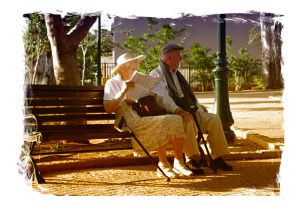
(68, 117)
(53, 90)
(108, 128)
(63, 94)
(64, 110)
(83, 135)
(63, 101)
(61, 87)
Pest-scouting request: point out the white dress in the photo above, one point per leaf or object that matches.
(152, 131)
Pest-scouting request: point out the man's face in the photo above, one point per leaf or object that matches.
(174, 59)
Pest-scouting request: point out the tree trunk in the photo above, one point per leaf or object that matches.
(64, 46)
(278, 60)
(271, 51)
(29, 70)
(43, 70)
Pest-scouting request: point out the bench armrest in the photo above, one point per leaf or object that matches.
(31, 133)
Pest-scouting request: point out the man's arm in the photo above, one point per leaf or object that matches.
(161, 89)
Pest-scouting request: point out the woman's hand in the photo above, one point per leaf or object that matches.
(127, 86)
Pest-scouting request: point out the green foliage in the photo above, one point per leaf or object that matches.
(106, 42)
(87, 53)
(259, 84)
(35, 36)
(244, 67)
(150, 43)
(198, 58)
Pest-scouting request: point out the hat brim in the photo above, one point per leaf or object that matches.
(137, 59)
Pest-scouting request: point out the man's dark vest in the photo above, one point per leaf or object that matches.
(188, 101)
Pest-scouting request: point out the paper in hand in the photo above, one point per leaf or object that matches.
(143, 85)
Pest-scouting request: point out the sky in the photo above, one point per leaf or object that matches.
(106, 21)
(13, 190)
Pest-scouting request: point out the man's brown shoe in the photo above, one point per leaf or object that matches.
(220, 164)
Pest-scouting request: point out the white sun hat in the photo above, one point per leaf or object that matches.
(127, 58)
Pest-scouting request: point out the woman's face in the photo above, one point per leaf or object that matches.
(127, 70)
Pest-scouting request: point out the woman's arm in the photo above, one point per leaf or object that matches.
(111, 105)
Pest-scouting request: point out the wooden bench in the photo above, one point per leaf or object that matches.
(71, 113)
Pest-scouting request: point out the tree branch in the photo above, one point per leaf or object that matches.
(80, 30)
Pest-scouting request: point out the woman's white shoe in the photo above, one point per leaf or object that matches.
(167, 169)
(181, 169)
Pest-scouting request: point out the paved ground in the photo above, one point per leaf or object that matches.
(254, 112)
(251, 177)
(256, 159)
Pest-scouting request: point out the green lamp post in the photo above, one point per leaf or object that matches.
(221, 81)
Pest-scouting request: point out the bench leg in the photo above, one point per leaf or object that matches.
(154, 162)
(37, 175)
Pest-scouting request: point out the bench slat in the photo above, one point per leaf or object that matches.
(65, 110)
(40, 87)
(63, 101)
(57, 118)
(64, 94)
(80, 128)
(83, 135)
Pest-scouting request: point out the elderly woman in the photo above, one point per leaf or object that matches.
(154, 132)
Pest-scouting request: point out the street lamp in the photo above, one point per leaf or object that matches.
(221, 81)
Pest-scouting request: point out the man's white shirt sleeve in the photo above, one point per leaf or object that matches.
(161, 89)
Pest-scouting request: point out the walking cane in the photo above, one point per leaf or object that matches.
(200, 137)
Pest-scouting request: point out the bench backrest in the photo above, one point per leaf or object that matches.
(70, 112)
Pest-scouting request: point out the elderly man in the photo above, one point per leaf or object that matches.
(184, 103)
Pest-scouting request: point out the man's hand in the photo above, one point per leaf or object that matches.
(186, 116)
